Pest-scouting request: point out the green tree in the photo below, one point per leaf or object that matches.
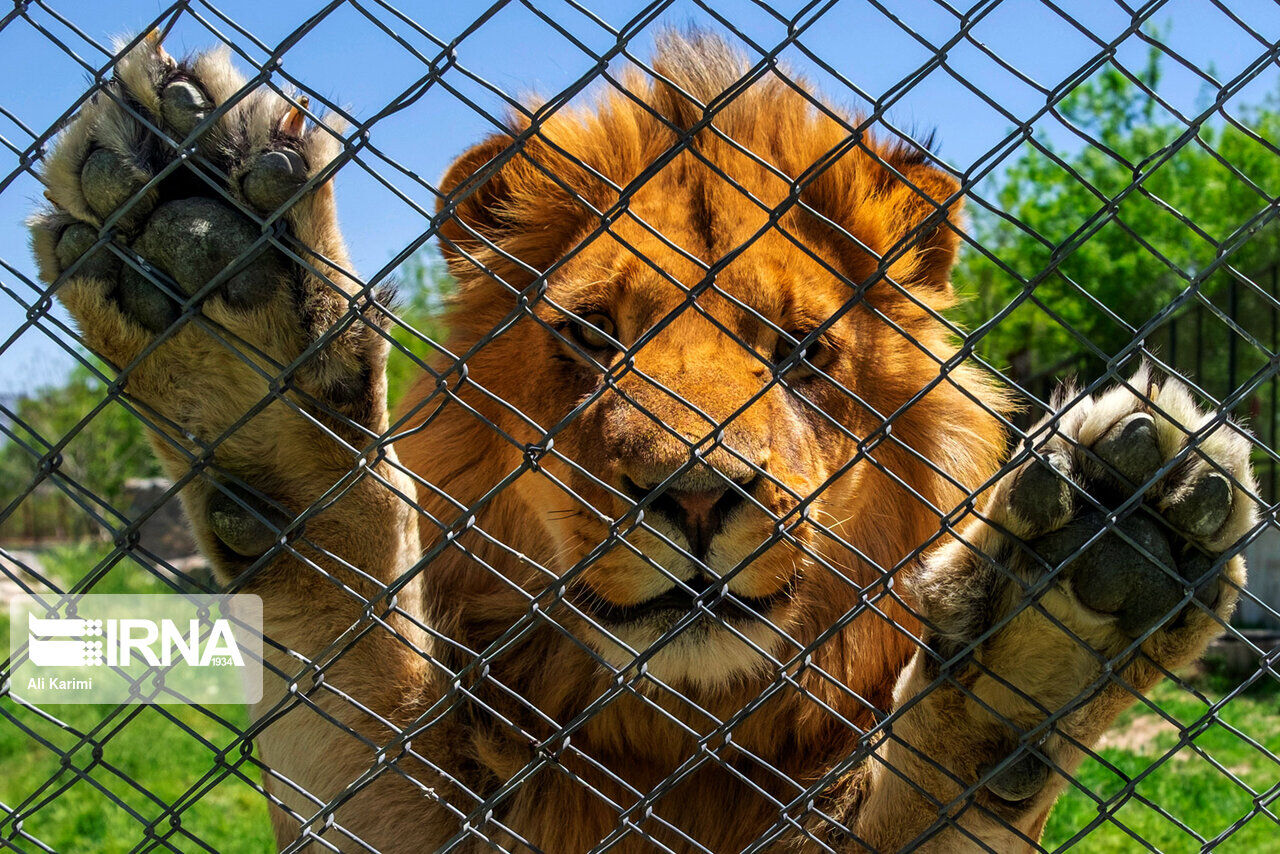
(57, 473)
(423, 287)
(1181, 221)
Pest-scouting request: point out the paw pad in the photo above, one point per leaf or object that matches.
(75, 241)
(244, 522)
(194, 240)
(182, 232)
(184, 105)
(1041, 494)
(1021, 779)
(1165, 546)
(1131, 448)
(1202, 506)
(159, 193)
(1116, 573)
(273, 178)
(108, 180)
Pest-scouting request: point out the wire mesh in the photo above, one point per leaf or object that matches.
(705, 573)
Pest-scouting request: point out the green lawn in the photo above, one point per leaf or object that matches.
(1182, 792)
(167, 752)
(174, 770)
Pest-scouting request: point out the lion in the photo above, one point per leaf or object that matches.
(699, 533)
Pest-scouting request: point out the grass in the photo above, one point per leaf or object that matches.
(1180, 799)
(168, 752)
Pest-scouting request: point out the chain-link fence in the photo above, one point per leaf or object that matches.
(725, 502)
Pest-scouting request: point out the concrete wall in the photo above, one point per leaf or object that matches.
(1263, 558)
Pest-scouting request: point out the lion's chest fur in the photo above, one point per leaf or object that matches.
(710, 808)
(639, 761)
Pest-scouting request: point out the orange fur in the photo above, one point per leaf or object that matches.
(521, 217)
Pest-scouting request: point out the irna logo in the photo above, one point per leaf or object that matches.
(115, 642)
(145, 648)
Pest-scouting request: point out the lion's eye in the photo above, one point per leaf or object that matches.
(594, 331)
(818, 354)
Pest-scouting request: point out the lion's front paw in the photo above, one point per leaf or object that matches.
(1132, 502)
(1100, 563)
(193, 237)
(187, 204)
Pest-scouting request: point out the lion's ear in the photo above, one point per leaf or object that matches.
(502, 211)
(931, 195)
(474, 189)
(908, 214)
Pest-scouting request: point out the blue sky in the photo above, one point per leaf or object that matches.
(352, 62)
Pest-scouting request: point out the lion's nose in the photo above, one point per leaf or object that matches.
(699, 514)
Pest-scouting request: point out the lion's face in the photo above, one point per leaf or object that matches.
(700, 445)
(704, 485)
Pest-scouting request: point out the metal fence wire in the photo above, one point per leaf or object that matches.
(709, 524)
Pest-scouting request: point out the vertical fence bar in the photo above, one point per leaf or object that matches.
(1273, 384)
